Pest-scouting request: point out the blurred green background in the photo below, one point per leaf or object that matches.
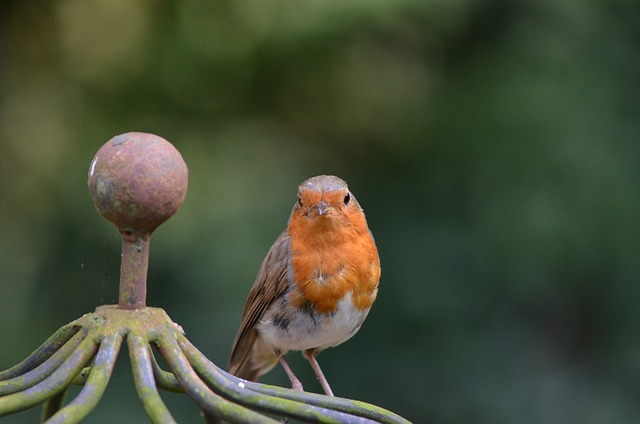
(494, 145)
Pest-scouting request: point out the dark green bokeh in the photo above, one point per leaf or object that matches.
(493, 144)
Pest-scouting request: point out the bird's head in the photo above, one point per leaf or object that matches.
(325, 197)
(326, 211)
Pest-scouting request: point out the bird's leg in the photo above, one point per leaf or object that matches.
(310, 355)
(295, 383)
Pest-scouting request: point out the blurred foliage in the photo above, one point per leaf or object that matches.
(493, 144)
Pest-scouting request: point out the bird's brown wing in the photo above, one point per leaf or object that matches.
(270, 284)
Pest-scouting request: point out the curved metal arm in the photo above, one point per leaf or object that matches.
(219, 394)
(93, 389)
(53, 384)
(42, 371)
(355, 407)
(165, 380)
(237, 390)
(145, 383)
(42, 353)
(199, 392)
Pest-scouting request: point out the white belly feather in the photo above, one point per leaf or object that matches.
(302, 331)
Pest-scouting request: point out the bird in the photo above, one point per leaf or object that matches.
(315, 286)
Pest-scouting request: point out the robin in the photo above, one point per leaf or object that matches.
(314, 288)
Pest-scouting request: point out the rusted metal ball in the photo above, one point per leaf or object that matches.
(137, 181)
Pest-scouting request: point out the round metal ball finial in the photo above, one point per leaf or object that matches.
(137, 181)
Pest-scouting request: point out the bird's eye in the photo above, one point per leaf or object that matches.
(300, 201)
(347, 198)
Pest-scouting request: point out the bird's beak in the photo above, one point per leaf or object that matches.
(322, 207)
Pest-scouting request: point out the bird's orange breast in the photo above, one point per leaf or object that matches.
(330, 261)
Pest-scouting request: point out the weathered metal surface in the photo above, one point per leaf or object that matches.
(238, 391)
(133, 270)
(51, 385)
(42, 353)
(200, 393)
(42, 371)
(294, 404)
(145, 382)
(218, 393)
(137, 181)
(95, 385)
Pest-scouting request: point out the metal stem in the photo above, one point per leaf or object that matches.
(133, 270)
